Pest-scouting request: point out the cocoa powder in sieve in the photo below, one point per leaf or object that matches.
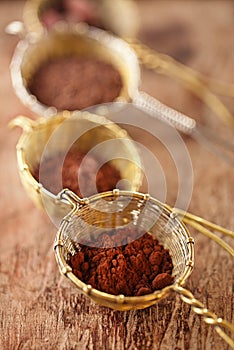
(124, 261)
(84, 179)
(74, 83)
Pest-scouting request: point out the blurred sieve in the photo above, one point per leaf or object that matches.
(83, 41)
(71, 41)
(40, 15)
(44, 138)
(117, 209)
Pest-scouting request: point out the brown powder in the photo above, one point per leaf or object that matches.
(133, 264)
(74, 83)
(55, 175)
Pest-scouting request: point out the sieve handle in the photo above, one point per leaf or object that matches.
(23, 122)
(205, 227)
(216, 144)
(164, 113)
(72, 198)
(208, 316)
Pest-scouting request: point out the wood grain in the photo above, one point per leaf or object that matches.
(41, 310)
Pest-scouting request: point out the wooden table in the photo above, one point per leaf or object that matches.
(41, 310)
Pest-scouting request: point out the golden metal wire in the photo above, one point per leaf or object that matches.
(201, 225)
(208, 316)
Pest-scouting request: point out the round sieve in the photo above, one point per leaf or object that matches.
(91, 216)
(47, 137)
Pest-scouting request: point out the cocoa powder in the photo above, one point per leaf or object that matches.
(124, 261)
(54, 174)
(74, 83)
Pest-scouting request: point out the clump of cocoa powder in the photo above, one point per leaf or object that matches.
(124, 261)
(81, 173)
(74, 83)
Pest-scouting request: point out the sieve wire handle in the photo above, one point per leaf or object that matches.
(72, 198)
(208, 316)
(162, 63)
(186, 125)
(23, 122)
(205, 227)
(193, 81)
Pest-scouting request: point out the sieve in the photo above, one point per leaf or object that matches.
(82, 40)
(114, 209)
(57, 134)
(126, 23)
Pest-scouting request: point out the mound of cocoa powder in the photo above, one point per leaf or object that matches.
(124, 261)
(74, 83)
(54, 174)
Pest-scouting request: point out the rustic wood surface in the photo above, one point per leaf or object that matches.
(39, 309)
